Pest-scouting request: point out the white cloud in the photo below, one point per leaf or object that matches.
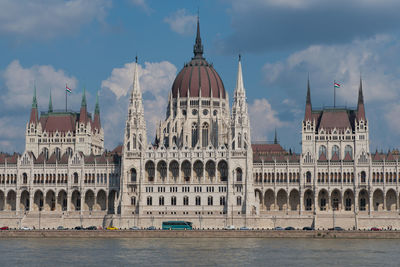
(47, 18)
(155, 82)
(20, 81)
(263, 119)
(142, 4)
(181, 22)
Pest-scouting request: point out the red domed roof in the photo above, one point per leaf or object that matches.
(195, 76)
(198, 75)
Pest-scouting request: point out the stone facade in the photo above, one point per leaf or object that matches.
(202, 166)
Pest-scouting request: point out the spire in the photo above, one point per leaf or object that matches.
(96, 121)
(198, 47)
(276, 138)
(34, 101)
(83, 104)
(307, 115)
(50, 104)
(34, 118)
(97, 107)
(239, 80)
(136, 86)
(360, 103)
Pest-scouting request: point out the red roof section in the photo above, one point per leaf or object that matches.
(198, 75)
(335, 119)
(60, 123)
(347, 157)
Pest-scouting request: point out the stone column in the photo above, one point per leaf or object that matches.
(69, 200)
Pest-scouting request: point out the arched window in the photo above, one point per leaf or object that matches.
(58, 153)
(239, 174)
(24, 178)
(173, 201)
(161, 201)
(128, 146)
(222, 201)
(308, 177)
(133, 175)
(322, 150)
(204, 135)
(46, 153)
(335, 150)
(239, 140)
(185, 200)
(69, 151)
(149, 201)
(134, 141)
(75, 178)
(363, 176)
(198, 200)
(348, 150)
(239, 201)
(210, 201)
(133, 201)
(195, 134)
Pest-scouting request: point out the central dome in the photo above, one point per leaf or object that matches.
(198, 77)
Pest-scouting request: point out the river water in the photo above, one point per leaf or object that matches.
(198, 252)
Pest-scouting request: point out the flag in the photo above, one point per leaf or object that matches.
(67, 89)
(336, 85)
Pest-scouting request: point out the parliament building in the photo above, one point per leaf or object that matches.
(202, 166)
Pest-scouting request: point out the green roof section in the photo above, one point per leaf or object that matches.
(34, 101)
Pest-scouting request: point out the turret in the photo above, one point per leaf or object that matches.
(96, 120)
(50, 104)
(307, 115)
(83, 112)
(360, 104)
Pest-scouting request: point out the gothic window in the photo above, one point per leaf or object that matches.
(239, 201)
(308, 177)
(210, 201)
(161, 201)
(222, 201)
(223, 171)
(335, 149)
(140, 141)
(185, 200)
(173, 201)
(239, 174)
(24, 178)
(363, 176)
(69, 151)
(204, 134)
(239, 141)
(134, 141)
(348, 150)
(46, 153)
(150, 170)
(149, 201)
(195, 134)
(75, 178)
(133, 175)
(128, 146)
(198, 201)
(322, 150)
(133, 201)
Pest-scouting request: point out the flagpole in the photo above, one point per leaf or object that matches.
(334, 94)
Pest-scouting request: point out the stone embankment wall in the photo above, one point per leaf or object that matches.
(199, 234)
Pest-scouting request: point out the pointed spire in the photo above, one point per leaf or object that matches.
(360, 103)
(307, 115)
(239, 80)
(34, 118)
(97, 107)
(34, 101)
(198, 47)
(136, 86)
(50, 104)
(83, 104)
(276, 138)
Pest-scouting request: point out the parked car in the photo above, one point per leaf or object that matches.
(244, 228)
(134, 228)
(336, 228)
(151, 228)
(230, 227)
(25, 228)
(290, 228)
(61, 228)
(375, 229)
(91, 228)
(278, 228)
(308, 228)
(79, 228)
(112, 228)
(4, 228)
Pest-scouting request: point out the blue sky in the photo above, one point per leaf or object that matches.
(92, 44)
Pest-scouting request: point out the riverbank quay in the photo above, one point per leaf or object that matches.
(317, 234)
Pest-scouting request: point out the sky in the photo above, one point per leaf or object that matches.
(93, 45)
